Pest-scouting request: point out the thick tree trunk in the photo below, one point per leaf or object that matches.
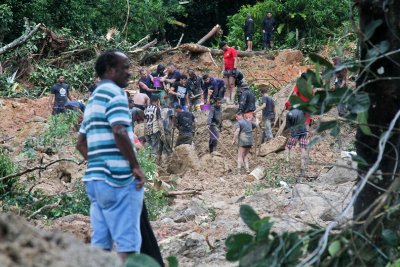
(384, 94)
(210, 34)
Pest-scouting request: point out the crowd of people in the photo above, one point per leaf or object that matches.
(165, 100)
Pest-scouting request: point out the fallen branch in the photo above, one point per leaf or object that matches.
(20, 40)
(214, 30)
(143, 48)
(181, 193)
(140, 41)
(45, 207)
(180, 41)
(39, 167)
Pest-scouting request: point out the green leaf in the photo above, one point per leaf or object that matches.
(322, 61)
(390, 237)
(264, 226)
(304, 87)
(235, 244)
(378, 49)
(370, 28)
(362, 119)
(141, 260)
(359, 160)
(172, 261)
(334, 247)
(336, 130)
(359, 102)
(325, 125)
(249, 216)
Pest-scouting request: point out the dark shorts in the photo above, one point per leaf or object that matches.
(247, 147)
(142, 107)
(228, 73)
(248, 37)
(301, 139)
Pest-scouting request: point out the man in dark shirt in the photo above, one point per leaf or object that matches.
(186, 124)
(268, 27)
(268, 114)
(194, 85)
(59, 96)
(214, 124)
(249, 31)
(145, 83)
(179, 93)
(298, 134)
(247, 102)
(172, 74)
(213, 88)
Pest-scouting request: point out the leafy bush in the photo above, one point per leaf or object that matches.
(7, 167)
(315, 21)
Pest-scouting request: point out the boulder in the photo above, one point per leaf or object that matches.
(182, 159)
(345, 170)
(229, 112)
(276, 144)
(195, 246)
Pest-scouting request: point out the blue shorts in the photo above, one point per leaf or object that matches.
(115, 215)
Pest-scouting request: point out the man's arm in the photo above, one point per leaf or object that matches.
(125, 146)
(81, 145)
(147, 101)
(145, 87)
(51, 100)
(235, 62)
(260, 108)
(210, 116)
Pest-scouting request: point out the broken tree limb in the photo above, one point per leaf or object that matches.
(180, 41)
(195, 48)
(39, 167)
(181, 193)
(143, 48)
(45, 207)
(20, 40)
(214, 30)
(140, 41)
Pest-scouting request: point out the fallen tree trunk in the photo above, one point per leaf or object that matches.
(20, 40)
(195, 48)
(143, 48)
(214, 30)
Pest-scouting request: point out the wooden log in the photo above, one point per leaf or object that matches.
(143, 48)
(181, 193)
(214, 30)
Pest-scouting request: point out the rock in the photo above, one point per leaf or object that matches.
(289, 56)
(195, 246)
(276, 144)
(38, 119)
(182, 159)
(344, 171)
(328, 215)
(229, 112)
(23, 245)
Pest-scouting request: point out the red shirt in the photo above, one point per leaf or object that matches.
(229, 58)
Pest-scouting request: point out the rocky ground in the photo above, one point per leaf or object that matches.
(194, 227)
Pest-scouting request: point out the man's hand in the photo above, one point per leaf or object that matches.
(138, 173)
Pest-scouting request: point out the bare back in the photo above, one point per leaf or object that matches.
(141, 99)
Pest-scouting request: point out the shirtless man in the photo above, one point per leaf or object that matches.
(140, 100)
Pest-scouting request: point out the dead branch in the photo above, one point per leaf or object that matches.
(39, 167)
(214, 30)
(45, 207)
(180, 41)
(20, 40)
(181, 193)
(140, 41)
(143, 48)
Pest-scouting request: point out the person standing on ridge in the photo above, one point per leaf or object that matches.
(113, 179)
(59, 96)
(249, 32)
(268, 26)
(229, 70)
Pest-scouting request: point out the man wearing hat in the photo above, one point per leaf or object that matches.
(229, 71)
(247, 102)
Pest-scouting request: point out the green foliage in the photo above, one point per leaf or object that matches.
(7, 167)
(315, 21)
(6, 20)
(142, 260)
